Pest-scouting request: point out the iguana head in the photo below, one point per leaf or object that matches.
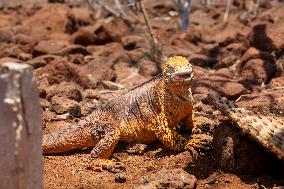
(177, 70)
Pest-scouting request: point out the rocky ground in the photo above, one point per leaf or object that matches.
(81, 60)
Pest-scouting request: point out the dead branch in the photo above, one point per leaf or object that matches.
(227, 11)
(121, 14)
(156, 50)
(120, 9)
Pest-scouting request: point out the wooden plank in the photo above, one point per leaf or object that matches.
(21, 162)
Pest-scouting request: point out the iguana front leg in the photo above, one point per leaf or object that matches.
(174, 141)
(170, 138)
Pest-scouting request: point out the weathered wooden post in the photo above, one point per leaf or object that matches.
(21, 165)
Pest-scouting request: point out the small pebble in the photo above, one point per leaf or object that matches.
(117, 167)
(136, 148)
(94, 168)
(120, 178)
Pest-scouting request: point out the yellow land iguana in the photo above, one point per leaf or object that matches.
(146, 113)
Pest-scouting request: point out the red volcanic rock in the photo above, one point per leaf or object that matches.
(264, 37)
(258, 71)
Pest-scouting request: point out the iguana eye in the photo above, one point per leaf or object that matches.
(170, 70)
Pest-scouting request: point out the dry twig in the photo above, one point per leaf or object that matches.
(156, 50)
(227, 11)
(121, 14)
(120, 9)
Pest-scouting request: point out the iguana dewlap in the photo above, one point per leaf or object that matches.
(146, 113)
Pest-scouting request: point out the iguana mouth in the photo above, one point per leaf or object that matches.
(183, 76)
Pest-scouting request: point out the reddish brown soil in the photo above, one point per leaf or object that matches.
(81, 61)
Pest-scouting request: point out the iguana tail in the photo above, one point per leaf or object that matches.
(265, 129)
(223, 105)
(72, 138)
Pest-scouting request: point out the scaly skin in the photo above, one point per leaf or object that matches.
(145, 114)
(265, 129)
